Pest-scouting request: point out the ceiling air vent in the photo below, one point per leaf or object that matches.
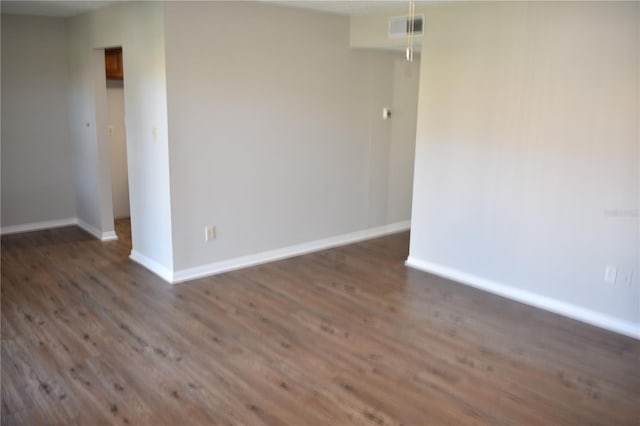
(399, 27)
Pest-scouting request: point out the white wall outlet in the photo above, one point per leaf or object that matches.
(386, 113)
(610, 274)
(209, 233)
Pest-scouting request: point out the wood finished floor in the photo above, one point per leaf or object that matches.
(348, 336)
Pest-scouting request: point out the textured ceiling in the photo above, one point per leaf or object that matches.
(343, 7)
(62, 9)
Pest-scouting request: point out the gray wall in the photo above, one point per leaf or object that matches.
(37, 180)
(139, 28)
(401, 155)
(526, 176)
(275, 128)
(277, 137)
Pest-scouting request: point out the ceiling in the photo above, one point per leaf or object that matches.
(352, 7)
(60, 9)
(65, 9)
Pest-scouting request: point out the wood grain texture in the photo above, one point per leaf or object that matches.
(347, 336)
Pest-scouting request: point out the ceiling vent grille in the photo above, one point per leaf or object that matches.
(399, 27)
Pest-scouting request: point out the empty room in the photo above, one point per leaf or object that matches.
(320, 213)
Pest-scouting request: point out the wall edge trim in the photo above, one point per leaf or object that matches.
(546, 303)
(102, 236)
(288, 252)
(153, 266)
(38, 226)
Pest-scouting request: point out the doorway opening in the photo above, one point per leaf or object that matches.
(117, 133)
(116, 130)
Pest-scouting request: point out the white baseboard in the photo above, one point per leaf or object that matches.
(103, 236)
(50, 224)
(38, 226)
(287, 252)
(109, 236)
(158, 269)
(588, 316)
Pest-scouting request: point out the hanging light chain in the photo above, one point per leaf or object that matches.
(410, 29)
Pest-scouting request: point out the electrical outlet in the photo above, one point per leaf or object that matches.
(610, 274)
(209, 233)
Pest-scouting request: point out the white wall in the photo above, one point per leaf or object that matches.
(37, 182)
(401, 155)
(139, 28)
(276, 129)
(118, 148)
(526, 178)
(99, 129)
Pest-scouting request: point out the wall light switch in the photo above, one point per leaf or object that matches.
(110, 130)
(610, 274)
(209, 233)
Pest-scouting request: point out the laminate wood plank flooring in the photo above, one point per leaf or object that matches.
(347, 336)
